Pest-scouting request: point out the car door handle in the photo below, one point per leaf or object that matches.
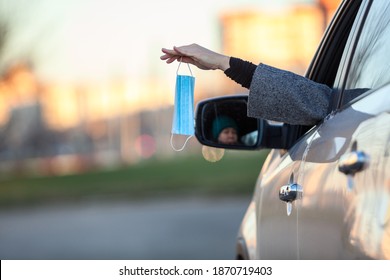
(290, 192)
(353, 162)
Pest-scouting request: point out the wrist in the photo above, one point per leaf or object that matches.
(224, 63)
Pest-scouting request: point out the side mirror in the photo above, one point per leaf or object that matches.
(222, 122)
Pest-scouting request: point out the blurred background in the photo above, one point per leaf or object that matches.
(86, 166)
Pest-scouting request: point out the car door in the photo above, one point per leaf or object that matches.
(278, 232)
(344, 212)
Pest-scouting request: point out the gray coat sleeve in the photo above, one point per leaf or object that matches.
(283, 96)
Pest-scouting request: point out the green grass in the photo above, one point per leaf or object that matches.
(235, 174)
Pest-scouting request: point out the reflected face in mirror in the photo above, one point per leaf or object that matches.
(228, 136)
(225, 130)
(223, 123)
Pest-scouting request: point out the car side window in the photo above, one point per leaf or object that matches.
(370, 65)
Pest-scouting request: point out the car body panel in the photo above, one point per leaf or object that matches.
(327, 208)
(277, 234)
(327, 222)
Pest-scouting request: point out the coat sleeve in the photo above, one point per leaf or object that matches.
(283, 96)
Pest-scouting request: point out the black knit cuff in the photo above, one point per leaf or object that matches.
(241, 71)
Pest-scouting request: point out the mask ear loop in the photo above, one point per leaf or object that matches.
(189, 68)
(185, 143)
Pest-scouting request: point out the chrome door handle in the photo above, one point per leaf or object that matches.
(290, 192)
(353, 162)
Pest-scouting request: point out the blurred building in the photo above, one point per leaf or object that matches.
(285, 38)
(328, 8)
(24, 133)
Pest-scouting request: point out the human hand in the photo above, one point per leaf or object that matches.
(199, 56)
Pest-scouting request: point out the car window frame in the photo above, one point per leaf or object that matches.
(345, 102)
(341, 80)
(326, 48)
(339, 27)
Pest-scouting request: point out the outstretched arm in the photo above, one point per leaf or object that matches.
(238, 70)
(274, 94)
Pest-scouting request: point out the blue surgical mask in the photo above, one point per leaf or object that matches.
(183, 115)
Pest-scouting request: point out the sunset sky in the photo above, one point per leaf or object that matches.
(73, 40)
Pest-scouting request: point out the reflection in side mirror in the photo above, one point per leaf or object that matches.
(223, 122)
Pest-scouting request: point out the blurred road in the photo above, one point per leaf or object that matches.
(189, 228)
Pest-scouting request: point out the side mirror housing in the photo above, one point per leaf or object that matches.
(214, 115)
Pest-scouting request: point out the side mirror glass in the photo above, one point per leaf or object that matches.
(223, 122)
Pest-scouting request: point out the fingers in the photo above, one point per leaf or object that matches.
(169, 55)
(169, 52)
(173, 55)
(180, 50)
(172, 59)
(191, 51)
(175, 52)
(182, 54)
(169, 59)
